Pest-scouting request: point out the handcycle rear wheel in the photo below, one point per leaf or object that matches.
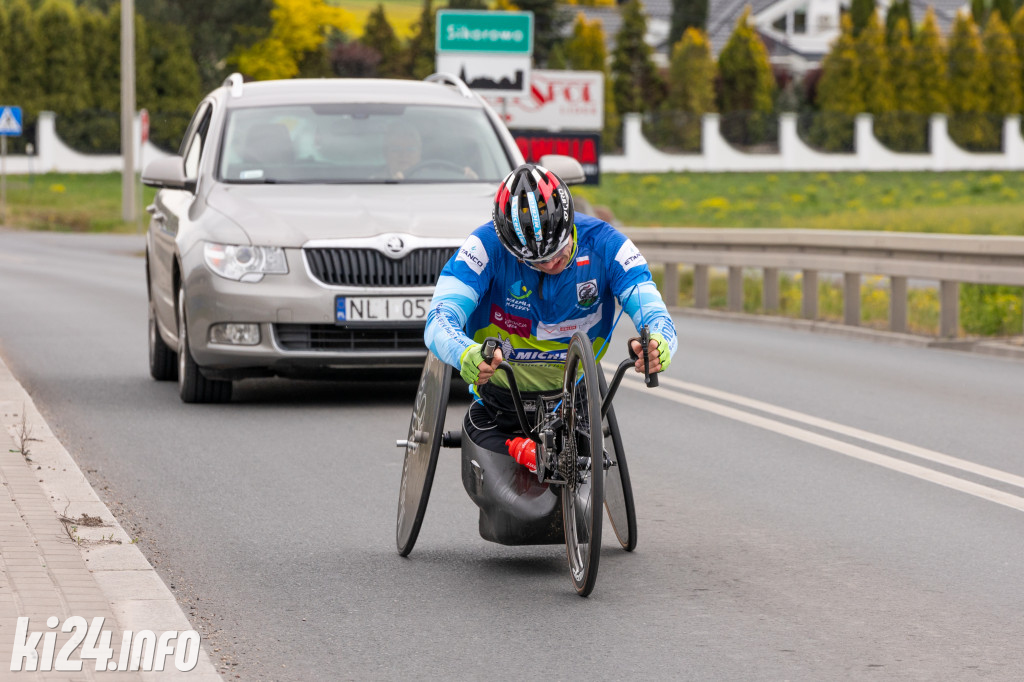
(581, 464)
(618, 491)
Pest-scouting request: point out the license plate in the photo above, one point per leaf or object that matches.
(380, 308)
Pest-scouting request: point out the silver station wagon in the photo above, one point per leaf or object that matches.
(304, 223)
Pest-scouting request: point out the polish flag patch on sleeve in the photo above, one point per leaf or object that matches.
(583, 260)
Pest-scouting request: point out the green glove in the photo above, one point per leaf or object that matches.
(470, 361)
(663, 353)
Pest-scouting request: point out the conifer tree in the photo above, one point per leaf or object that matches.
(970, 86)
(899, 9)
(873, 62)
(177, 87)
(748, 83)
(1005, 95)
(23, 44)
(63, 82)
(635, 80)
(1004, 8)
(420, 60)
(102, 60)
(465, 4)
(691, 87)
(548, 22)
(1017, 34)
(687, 14)
(379, 35)
(585, 51)
(860, 12)
(930, 66)
(3, 53)
(840, 93)
(905, 129)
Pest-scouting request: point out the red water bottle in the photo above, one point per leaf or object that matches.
(523, 451)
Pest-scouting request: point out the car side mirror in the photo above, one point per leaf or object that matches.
(565, 167)
(168, 173)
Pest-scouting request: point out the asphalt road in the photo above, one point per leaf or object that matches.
(810, 507)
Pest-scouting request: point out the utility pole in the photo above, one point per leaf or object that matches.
(128, 209)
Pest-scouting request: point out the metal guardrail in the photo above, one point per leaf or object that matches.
(949, 259)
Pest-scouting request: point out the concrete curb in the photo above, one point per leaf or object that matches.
(138, 598)
(999, 348)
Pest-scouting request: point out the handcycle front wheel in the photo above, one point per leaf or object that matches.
(421, 451)
(581, 464)
(618, 491)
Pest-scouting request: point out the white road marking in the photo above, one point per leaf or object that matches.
(917, 471)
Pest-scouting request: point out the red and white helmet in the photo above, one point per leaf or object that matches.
(533, 213)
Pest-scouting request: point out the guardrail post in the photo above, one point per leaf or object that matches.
(770, 290)
(735, 289)
(670, 290)
(701, 289)
(949, 308)
(898, 304)
(851, 299)
(809, 304)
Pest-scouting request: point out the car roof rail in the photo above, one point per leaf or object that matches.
(234, 81)
(451, 79)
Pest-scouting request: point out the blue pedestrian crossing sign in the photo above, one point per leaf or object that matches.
(10, 121)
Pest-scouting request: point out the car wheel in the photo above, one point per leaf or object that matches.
(193, 387)
(163, 365)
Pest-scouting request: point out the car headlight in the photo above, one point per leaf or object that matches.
(245, 263)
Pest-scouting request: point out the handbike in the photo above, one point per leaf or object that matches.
(519, 507)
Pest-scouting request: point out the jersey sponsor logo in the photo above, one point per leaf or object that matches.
(629, 256)
(518, 290)
(524, 355)
(586, 293)
(560, 330)
(513, 324)
(473, 254)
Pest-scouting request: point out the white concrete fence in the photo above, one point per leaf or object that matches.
(639, 156)
(948, 259)
(53, 156)
(717, 155)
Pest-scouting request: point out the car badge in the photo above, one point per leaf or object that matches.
(395, 245)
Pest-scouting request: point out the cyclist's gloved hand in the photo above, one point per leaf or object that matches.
(473, 368)
(658, 354)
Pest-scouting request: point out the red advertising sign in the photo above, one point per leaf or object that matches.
(144, 124)
(584, 147)
(556, 100)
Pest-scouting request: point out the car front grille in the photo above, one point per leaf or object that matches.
(331, 338)
(371, 268)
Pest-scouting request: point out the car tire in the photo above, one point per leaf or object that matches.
(193, 387)
(163, 364)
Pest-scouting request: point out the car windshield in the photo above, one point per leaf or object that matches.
(361, 143)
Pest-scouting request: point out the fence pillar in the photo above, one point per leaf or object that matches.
(851, 298)
(949, 308)
(701, 286)
(809, 304)
(670, 289)
(735, 288)
(898, 304)
(770, 290)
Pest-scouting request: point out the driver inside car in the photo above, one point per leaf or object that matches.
(532, 277)
(403, 153)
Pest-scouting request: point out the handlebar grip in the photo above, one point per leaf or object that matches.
(645, 341)
(490, 345)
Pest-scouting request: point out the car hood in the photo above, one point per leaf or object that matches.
(291, 215)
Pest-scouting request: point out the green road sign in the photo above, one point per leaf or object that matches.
(496, 32)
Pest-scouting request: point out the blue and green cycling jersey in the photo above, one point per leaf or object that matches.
(485, 291)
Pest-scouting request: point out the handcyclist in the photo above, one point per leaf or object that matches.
(533, 276)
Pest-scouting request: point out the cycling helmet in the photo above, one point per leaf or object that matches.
(533, 213)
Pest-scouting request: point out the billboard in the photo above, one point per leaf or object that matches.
(554, 100)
